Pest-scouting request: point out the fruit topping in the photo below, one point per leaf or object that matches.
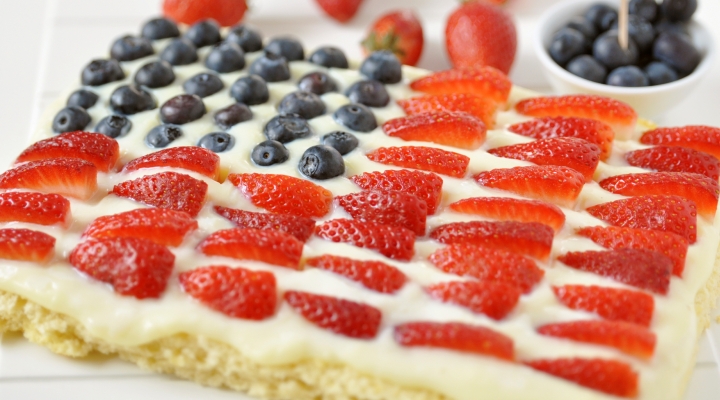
(160, 28)
(286, 129)
(386, 207)
(391, 241)
(455, 336)
(659, 73)
(626, 337)
(217, 142)
(100, 72)
(374, 275)
(287, 47)
(164, 227)
(475, 105)
(494, 299)
(608, 51)
(356, 117)
(300, 227)
(610, 303)
(155, 74)
(82, 98)
(321, 162)
(566, 44)
(182, 109)
(369, 92)
(648, 10)
(282, 194)
(226, 57)
(100, 150)
(628, 76)
(697, 137)
(26, 245)
(426, 186)
(344, 317)
(203, 33)
(675, 159)
(66, 176)
(485, 82)
(382, 66)
(329, 57)
(424, 158)
(678, 10)
(264, 245)
(168, 190)
(129, 100)
(677, 51)
(509, 209)
(162, 135)
(35, 208)
(551, 183)
(340, 10)
(248, 39)
(586, 67)
(317, 82)
(269, 152)
(250, 90)
(305, 105)
(70, 119)
(191, 158)
(179, 52)
(129, 48)
(608, 376)
(343, 142)
(232, 115)
(203, 85)
(399, 32)
(460, 130)
(225, 12)
(271, 67)
(114, 126)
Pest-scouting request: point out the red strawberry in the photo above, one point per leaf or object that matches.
(134, 267)
(344, 317)
(340, 10)
(480, 33)
(618, 115)
(26, 245)
(486, 82)
(225, 12)
(552, 183)
(168, 190)
(493, 299)
(374, 275)
(629, 338)
(237, 292)
(282, 194)
(578, 154)
(610, 303)
(386, 207)
(391, 241)
(675, 159)
(268, 246)
(488, 264)
(191, 158)
(425, 186)
(165, 227)
(300, 227)
(701, 138)
(700, 189)
(593, 131)
(66, 176)
(509, 209)
(399, 32)
(424, 158)
(98, 149)
(459, 130)
(527, 238)
(35, 208)
(645, 269)
(607, 376)
(472, 104)
(456, 336)
(669, 244)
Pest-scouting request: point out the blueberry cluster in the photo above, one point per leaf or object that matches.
(660, 48)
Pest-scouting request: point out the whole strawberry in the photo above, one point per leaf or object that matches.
(341, 10)
(399, 32)
(225, 12)
(480, 33)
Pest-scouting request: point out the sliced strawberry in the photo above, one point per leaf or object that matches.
(386, 207)
(552, 183)
(618, 115)
(268, 246)
(374, 275)
(391, 241)
(700, 189)
(35, 208)
(168, 190)
(509, 209)
(608, 376)
(669, 244)
(578, 154)
(98, 149)
(645, 269)
(426, 186)
(134, 267)
(300, 227)
(424, 158)
(488, 264)
(344, 317)
(165, 227)
(282, 194)
(629, 338)
(26, 245)
(675, 159)
(66, 176)
(526, 238)
(191, 158)
(610, 303)
(472, 104)
(493, 299)
(593, 131)
(486, 82)
(456, 336)
(698, 137)
(237, 292)
(459, 130)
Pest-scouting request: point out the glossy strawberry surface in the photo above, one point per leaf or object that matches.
(300, 227)
(596, 132)
(454, 129)
(424, 185)
(100, 150)
(282, 194)
(425, 158)
(35, 208)
(191, 158)
(169, 190)
(26, 245)
(386, 207)
(609, 376)
(344, 317)
(264, 245)
(456, 336)
(391, 241)
(510, 209)
(165, 227)
(551, 183)
(374, 275)
(613, 304)
(483, 81)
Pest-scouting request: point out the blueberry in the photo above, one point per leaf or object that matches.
(204, 33)
(567, 44)
(82, 98)
(251, 90)
(160, 28)
(628, 76)
(678, 10)
(317, 82)
(303, 104)
(162, 135)
(659, 73)
(382, 66)
(249, 40)
(100, 72)
(114, 126)
(271, 67)
(287, 47)
(330, 57)
(582, 25)
(130, 100)
(233, 115)
(607, 51)
(588, 68)
(182, 109)
(370, 93)
(668, 26)
(180, 52)
(641, 32)
(129, 48)
(356, 117)
(677, 51)
(608, 20)
(343, 142)
(217, 142)
(154, 75)
(203, 84)
(270, 152)
(645, 9)
(597, 12)
(287, 129)
(321, 162)
(70, 119)
(226, 57)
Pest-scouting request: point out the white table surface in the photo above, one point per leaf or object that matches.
(44, 45)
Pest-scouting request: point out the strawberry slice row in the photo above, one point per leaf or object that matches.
(191, 158)
(609, 303)
(486, 82)
(509, 209)
(426, 186)
(477, 106)
(697, 137)
(374, 275)
(300, 227)
(26, 245)
(424, 158)
(675, 159)
(164, 227)
(461, 130)
(97, 149)
(391, 241)
(631, 339)
(494, 299)
(71, 177)
(264, 245)
(387, 207)
(35, 208)
(167, 190)
(608, 376)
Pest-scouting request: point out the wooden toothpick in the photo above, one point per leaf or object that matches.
(623, 24)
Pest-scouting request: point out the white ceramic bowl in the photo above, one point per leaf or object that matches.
(648, 101)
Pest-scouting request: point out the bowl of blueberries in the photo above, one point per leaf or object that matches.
(667, 53)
